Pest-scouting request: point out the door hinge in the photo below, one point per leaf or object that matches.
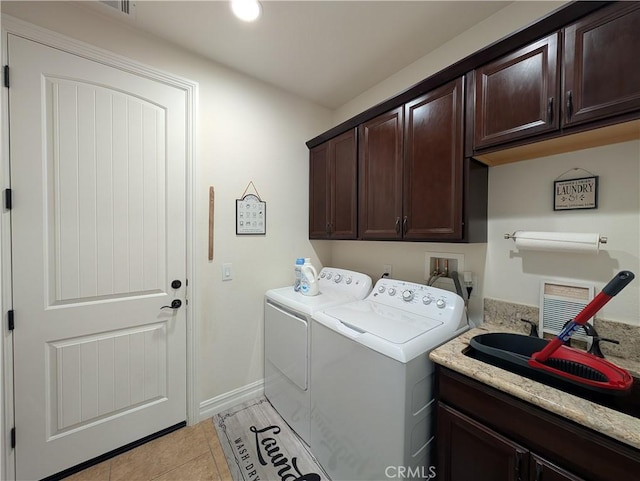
(13, 437)
(7, 199)
(10, 322)
(6, 76)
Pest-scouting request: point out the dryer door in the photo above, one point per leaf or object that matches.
(285, 343)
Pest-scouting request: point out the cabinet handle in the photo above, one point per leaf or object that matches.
(404, 225)
(518, 462)
(539, 469)
(398, 225)
(550, 110)
(569, 104)
(328, 228)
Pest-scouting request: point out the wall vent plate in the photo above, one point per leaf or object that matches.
(561, 301)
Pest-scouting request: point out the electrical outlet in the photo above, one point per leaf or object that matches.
(388, 268)
(441, 261)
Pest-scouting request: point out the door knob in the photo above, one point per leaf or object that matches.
(175, 304)
(176, 284)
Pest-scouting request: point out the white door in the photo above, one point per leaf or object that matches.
(98, 235)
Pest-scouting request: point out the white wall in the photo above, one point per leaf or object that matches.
(521, 198)
(247, 130)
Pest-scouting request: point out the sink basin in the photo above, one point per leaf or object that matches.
(627, 402)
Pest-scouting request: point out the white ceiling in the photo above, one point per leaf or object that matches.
(325, 51)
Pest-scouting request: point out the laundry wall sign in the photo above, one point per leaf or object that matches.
(576, 193)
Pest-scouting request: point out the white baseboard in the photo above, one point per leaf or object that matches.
(229, 399)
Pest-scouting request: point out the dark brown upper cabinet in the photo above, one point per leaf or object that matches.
(516, 96)
(433, 165)
(601, 76)
(414, 182)
(380, 164)
(585, 77)
(333, 188)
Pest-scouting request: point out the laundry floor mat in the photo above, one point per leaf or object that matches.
(260, 446)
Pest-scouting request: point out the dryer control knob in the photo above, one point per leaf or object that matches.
(407, 295)
(349, 280)
(328, 275)
(426, 300)
(381, 289)
(337, 278)
(392, 291)
(322, 274)
(441, 303)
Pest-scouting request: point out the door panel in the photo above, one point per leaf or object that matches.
(380, 171)
(433, 164)
(601, 75)
(516, 96)
(98, 230)
(319, 192)
(344, 184)
(93, 377)
(99, 166)
(468, 450)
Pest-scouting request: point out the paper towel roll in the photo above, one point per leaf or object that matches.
(557, 241)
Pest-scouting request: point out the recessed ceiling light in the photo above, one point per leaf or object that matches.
(247, 10)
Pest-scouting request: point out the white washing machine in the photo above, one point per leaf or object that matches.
(372, 401)
(287, 315)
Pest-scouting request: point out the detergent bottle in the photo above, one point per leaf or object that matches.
(309, 279)
(298, 271)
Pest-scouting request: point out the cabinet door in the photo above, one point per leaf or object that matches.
(467, 450)
(343, 182)
(319, 191)
(516, 95)
(433, 165)
(543, 470)
(380, 164)
(601, 66)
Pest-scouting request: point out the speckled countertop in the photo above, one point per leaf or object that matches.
(611, 423)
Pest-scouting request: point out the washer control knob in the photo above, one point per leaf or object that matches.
(381, 289)
(407, 295)
(392, 291)
(349, 280)
(426, 300)
(337, 278)
(322, 275)
(441, 303)
(328, 275)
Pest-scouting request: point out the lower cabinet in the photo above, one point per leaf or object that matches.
(469, 450)
(484, 434)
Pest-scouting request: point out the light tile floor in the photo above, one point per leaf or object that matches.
(192, 453)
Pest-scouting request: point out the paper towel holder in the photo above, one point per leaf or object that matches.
(514, 236)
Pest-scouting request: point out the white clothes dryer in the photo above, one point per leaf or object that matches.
(373, 381)
(287, 315)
